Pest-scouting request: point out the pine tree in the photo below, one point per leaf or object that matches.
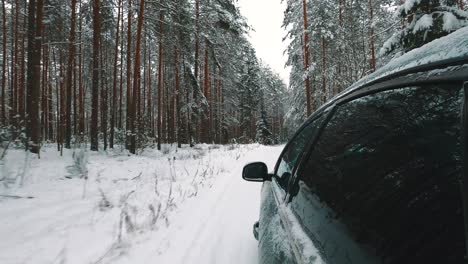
(264, 135)
(249, 94)
(129, 119)
(95, 81)
(160, 80)
(425, 20)
(4, 65)
(306, 56)
(136, 81)
(70, 69)
(81, 92)
(114, 80)
(35, 15)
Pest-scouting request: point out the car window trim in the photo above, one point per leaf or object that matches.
(301, 128)
(393, 86)
(307, 152)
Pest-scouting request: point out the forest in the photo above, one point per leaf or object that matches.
(133, 73)
(144, 73)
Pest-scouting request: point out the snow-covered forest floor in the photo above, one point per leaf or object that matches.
(169, 206)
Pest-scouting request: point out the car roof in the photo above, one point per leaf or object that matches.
(443, 59)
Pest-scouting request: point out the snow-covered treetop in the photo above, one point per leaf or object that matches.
(424, 21)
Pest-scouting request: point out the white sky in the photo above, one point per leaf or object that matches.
(266, 18)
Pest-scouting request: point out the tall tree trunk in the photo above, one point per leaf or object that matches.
(216, 105)
(62, 101)
(69, 78)
(372, 41)
(160, 61)
(96, 70)
(177, 87)
(44, 96)
(172, 113)
(340, 17)
(129, 74)
(31, 70)
(197, 37)
(136, 79)
(193, 125)
(14, 64)
(75, 95)
(121, 74)
(164, 104)
(114, 84)
(104, 94)
(57, 100)
(143, 87)
(4, 64)
(212, 103)
(50, 105)
(316, 100)
(306, 57)
(205, 129)
(338, 87)
(188, 117)
(324, 79)
(81, 122)
(221, 109)
(21, 82)
(150, 95)
(35, 88)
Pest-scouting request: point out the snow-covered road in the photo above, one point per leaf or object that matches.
(216, 227)
(175, 206)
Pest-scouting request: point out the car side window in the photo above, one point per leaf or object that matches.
(294, 151)
(388, 166)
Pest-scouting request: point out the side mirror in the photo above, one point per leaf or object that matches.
(256, 172)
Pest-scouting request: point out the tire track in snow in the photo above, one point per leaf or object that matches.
(217, 226)
(213, 227)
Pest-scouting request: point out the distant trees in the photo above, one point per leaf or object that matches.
(264, 135)
(133, 73)
(248, 96)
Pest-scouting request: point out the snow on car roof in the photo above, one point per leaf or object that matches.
(452, 46)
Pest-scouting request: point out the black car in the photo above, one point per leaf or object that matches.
(378, 174)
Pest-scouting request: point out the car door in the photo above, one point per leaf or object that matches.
(382, 184)
(273, 237)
